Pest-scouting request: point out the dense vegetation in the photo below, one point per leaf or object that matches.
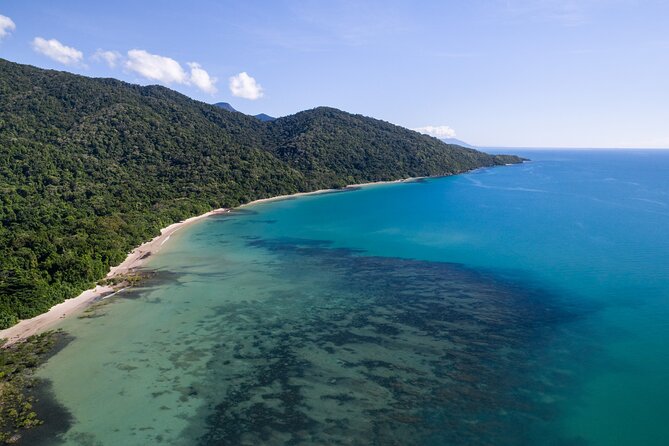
(90, 168)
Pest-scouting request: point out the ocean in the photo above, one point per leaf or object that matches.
(517, 305)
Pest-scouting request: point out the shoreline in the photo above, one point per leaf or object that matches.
(347, 188)
(135, 259)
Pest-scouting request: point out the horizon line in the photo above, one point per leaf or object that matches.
(569, 148)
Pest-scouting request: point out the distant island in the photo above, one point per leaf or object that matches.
(94, 167)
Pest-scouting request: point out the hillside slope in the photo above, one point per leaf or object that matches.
(90, 168)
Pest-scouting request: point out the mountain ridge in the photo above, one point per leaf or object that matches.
(264, 117)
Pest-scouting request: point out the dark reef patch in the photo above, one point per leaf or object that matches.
(55, 417)
(386, 351)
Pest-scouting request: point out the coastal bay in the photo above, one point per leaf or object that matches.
(306, 320)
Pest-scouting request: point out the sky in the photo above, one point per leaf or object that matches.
(502, 73)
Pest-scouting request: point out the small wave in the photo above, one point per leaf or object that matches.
(647, 200)
(478, 183)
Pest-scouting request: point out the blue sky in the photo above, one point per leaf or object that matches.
(535, 73)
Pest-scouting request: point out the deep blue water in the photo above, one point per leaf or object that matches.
(525, 304)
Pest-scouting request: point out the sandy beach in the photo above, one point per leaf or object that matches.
(135, 259)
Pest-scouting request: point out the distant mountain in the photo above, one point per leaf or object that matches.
(90, 168)
(457, 142)
(225, 106)
(265, 118)
(262, 116)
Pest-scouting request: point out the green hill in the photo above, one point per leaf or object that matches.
(90, 168)
(334, 148)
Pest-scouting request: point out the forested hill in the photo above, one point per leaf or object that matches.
(331, 147)
(90, 168)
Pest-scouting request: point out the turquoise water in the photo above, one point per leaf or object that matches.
(525, 304)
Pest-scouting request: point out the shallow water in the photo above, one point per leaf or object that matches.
(518, 305)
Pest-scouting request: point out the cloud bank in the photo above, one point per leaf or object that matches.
(168, 71)
(244, 86)
(155, 67)
(7, 25)
(438, 131)
(111, 58)
(55, 50)
(201, 78)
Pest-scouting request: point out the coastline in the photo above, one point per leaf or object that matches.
(135, 259)
(346, 188)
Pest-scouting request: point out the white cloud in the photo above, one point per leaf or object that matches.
(6, 26)
(157, 68)
(111, 58)
(201, 79)
(55, 50)
(438, 131)
(167, 70)
(244, 86)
